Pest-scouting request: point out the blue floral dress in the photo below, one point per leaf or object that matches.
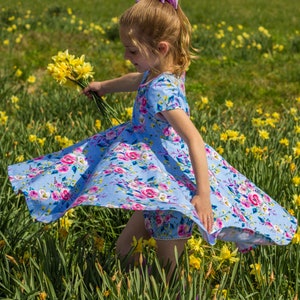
(145, 165)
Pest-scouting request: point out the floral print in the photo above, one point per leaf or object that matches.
(145, 165)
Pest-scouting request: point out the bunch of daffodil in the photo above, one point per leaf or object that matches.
(67, 69)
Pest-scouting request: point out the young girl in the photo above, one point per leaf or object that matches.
(157, 164)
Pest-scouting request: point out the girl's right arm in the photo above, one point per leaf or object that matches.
(127, 83)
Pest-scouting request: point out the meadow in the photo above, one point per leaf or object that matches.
(244, 93)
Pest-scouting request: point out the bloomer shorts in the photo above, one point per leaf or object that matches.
(168, 225)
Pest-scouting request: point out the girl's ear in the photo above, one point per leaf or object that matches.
(163, 48)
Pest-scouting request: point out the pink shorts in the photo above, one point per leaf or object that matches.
(168, 225)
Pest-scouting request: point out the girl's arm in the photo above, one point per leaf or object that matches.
(127, 83)
(181, 122)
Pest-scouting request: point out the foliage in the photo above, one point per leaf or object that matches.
(245, 100)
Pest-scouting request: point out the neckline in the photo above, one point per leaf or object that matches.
(146, 73)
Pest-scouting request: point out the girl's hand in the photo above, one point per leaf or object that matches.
(96, 87)
(204, 211)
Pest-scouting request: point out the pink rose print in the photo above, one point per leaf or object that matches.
(111, 134)
(55, 195)
(267, 198)
(119, 170)
(132, 155)
(162, 187)
(139, 195)
(245, 202)
(80, 200)
(254, 199)
(137, 206)
(34, 195)
(68, 159)
(65, 194)
(158, 220)
(62, 168)
(149, 192)
(93, 190)
(181, 230)
(219, 223)
(167, 131)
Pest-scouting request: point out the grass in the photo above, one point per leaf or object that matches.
(244, 94)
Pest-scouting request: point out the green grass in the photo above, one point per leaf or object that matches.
(260, 76)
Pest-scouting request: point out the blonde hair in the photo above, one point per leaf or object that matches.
(150, 22)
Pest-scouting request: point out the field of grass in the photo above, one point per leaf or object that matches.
(244, 92)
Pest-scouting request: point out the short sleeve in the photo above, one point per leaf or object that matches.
(166, 93)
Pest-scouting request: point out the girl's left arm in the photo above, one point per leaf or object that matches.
(183, 125)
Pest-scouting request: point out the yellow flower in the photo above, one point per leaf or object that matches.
(297, 150)
(43, 296)
(296, 237)
(98, 124)
(293, 111)
(137, 245)
(296, 199)
(106, 293)
(256, 271)
(3, 118)
(32, 138)
(229, 103)
(14, 99)
(257, 122)
(6, 42)
(284, 141)
(194, 262)
(41, 141)
(18, 73)
(195, 246)
(114, 122)
(64, 141)
(259, 111)
(263, 134)
(31, 79)
(65, 223)
(297, 129)
(215, 127)
(20, 158)
(223, 136)
(50, 127)
(225, 254)
(204, 100)
(296, 180)
(220, 150)
(2, 243)
(151, 243)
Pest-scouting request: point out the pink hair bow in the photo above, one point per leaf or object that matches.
(174, 3)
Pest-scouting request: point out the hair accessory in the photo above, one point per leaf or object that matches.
(174, 3)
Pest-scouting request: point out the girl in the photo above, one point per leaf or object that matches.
(157, 164)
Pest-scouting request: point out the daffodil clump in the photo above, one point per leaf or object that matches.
(67, 69)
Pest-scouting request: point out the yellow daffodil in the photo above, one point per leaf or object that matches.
(194, 262)
(263, 134)
(226, 255)
(296, 237)
(137, 245)
(284, 141)
(296, 199)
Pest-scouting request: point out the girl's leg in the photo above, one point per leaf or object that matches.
(134, 227)
(166, 253)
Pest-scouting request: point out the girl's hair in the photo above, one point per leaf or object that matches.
(149, 22)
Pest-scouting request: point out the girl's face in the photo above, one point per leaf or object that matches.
(142, 61)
